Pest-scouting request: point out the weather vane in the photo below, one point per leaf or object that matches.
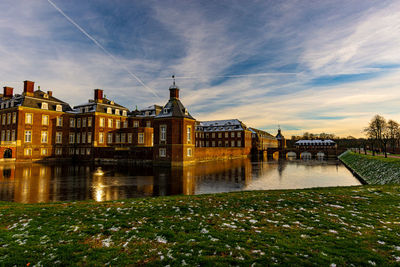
(173, 77)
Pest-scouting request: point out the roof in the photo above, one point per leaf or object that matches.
(150, 111)
(221, 125)
(279, 136)
(93, 106)
(174, 108)
(262, 133)
(315, 142)
(35, 101)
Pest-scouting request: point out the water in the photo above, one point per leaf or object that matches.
(33, 183)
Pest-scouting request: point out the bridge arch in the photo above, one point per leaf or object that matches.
(291, 155)
(320, 155)
(305, 155)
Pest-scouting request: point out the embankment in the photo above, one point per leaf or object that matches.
(373, 170)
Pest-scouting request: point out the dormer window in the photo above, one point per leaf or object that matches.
(117, 112)
(2, 105)
(87, 109)
(45, 96)
(109, 111)
(111, 102)
(58, 108)
(165, 111)
(45, 105)
(12, 103)
(186, 111)
(147, 113)
(124, 113)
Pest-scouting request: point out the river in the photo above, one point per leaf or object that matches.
(34, 182)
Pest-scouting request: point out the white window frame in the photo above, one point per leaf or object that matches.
(163, 132)
(162, 152)
(59, 108)
(44, 106)
(189, 152)
(140, 138)
(45, 119)
(28, 136)
(58, 137)
(101, 138)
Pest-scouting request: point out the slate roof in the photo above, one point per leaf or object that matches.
(262, 133)
(150, 111)
(36, 101)
(174, 108)
(315, 143)
(221, 126)
(99, 107)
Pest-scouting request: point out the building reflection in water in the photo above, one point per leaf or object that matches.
(32, 183)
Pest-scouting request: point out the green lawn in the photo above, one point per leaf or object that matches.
(342, 226)
(373, 169)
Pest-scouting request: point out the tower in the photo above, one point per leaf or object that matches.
(174, 141)
(281, 139)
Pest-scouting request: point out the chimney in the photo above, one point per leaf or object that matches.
(29, 87)
(8, 92)
(50, 93)
(98, 95)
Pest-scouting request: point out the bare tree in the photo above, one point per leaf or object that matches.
(393, 131)
(378, 131)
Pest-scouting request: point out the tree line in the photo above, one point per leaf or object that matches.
(383, 134)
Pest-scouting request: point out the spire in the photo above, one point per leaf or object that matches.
(173, 89)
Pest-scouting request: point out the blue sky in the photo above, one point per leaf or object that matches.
(316, 66)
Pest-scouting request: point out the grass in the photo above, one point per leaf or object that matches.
(342, 226)
(374, 170)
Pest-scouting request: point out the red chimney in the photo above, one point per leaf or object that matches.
(29, 87)
(50, 93)
(98, 95)
(8, 92)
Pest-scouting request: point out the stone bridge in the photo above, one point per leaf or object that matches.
(304, 152)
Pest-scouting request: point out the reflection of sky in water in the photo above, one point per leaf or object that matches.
(31, 183)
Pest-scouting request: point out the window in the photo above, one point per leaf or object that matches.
(239, 134)
(117, 138)
(219, 143)
(213, 135)
(226, 143)
(135, 124)
(71, 138)
(28, 136)
(77, 151)
(71, 151)
(152, 139)
(109, 138)
(58, 151)
(9, 118)
(87, 151)
(71, 122)
(125, 124)
(102, 122)
(89, 137)
(3, 121)
(109, 111)
(118, 124)
(59, 121)
(239, 143)
(189, 134)
(58, 137)
(148, 123)
(89, 122)
(232, 143)
(207, 144)
(78, 138)
(44, 137)
(84, 122)
(117, 112)
(14, 117)
(130, 138)
(219, 135)
(43, 151)
(45, 105)
(163, 132)
(124, 113)
(8, 135)
(232, 134)
(206, 135)
(189, 152)
(45, 119)
(213, 143)
(13, 135)
(87, 109)
(3, 135)
(78, 123)
(58, 108)
(163, 152)
(28, 151)
(101, 138)
(83, 138)
(141, 138)
(110, 123)
(226, 135)
(123, 138)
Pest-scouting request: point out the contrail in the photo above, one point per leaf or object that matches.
(102, 48)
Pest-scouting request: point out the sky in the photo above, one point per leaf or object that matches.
(308, 66)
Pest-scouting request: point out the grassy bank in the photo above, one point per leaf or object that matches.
(374, 170)
(358, 225)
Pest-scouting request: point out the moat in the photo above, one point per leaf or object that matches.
(33, 183)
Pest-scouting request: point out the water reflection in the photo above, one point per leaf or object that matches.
(32, 183)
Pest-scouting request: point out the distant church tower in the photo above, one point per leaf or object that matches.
(281, 139)
(174, 141)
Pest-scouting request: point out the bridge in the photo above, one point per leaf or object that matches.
(325, 152)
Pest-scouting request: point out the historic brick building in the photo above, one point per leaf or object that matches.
(35, 125)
